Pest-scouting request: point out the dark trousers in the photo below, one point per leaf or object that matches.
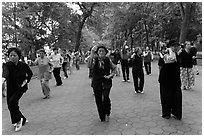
(58, 79)
(147, 67)
(138, 84)
(102, 102)
(125, 69)
(64, 68)
(171, 101)
(13, 101)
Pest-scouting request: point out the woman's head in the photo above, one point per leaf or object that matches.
(55, 50)
(101, 51)
(14, 54)
(138, 50)
(42, 53)
(188, 45)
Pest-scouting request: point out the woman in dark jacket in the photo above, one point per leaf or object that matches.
(170, 84)
(137, 70)
(103, 72)
(17, 75)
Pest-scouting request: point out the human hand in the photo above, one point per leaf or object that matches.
(24, 82)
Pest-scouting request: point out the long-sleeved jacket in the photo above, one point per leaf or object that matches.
(15, 75)
(99, 81)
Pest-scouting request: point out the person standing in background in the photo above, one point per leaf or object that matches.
(45, 72)
(148, 57)
(170, 83)
(125, 56)
(71, 54)
(193, 51)
(57, 61)
(66, 58)
(137, 70)
(186, 66)
(17, 74)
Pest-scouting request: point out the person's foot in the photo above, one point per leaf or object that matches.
(128, 80)
(197, 73)
(19, 125)
(45, 97)
(123, 80)
(166, 117)
(136, 92)
(175, 117)
(142, 92)
(24, 121)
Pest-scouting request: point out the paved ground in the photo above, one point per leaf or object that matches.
(71, 110)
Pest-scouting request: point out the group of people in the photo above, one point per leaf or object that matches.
(17, 74)
(175, 71)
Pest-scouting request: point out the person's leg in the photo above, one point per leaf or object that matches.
(141, 85)
(183, 76)
(106, 101)
(58, 78)
(165, 96)
(99, 104)
(123, 70)
(146, 67)
(177, 103)
(135, 81)
(150, 68)
(13, 107)
(46, 88)
(127, 70)
(64, 68)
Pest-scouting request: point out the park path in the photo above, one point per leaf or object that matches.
(71, 110)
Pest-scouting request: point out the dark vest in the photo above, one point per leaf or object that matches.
(99, 81)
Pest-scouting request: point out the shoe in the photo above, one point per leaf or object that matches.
(107, 118)
(19, 125)
(136, 92)
(14, 125)
(197, 73)
(24, 121)
(166, 117)
(128, 80)
(176, 117)
(123, 80)
(45, 97)
(59, 85)
(142, 92)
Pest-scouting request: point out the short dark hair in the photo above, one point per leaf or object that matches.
(17, 50)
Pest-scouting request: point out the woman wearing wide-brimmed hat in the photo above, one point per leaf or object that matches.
(170, 83)
(103, 72)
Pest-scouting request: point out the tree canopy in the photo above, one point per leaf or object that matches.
(32, 25)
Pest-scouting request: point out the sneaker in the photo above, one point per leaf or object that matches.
(123, 80)
(24, 121)
(136, 92)
(19, 125)
(142, 92)
(128, 80)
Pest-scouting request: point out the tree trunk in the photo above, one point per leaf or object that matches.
(85, 15)
(186, 16)
(147, 35)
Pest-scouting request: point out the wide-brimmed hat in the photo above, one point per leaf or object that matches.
(42, 50)
(172, 43)
(101, 46)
